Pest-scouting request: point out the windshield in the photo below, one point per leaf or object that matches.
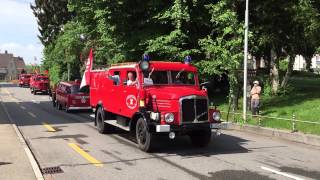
(75, 89)
(25, 76)
(42, 79)
(181, 77)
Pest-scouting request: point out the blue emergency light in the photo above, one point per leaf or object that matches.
(187, 59)
(144, 64)
(145, 57)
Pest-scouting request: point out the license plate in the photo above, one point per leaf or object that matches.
(219, 125)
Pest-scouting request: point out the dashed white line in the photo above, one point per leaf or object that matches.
(281, 173)
(31, 114)
(22, 107)
(36, 102)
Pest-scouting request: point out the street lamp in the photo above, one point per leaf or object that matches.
(246, 27)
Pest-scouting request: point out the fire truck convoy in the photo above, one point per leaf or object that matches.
(39, 83)
(150, 98)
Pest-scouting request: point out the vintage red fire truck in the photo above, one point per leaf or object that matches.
(150, 98)
(24, 80)
(39, 83)
(68, 97)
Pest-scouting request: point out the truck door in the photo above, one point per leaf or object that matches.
(129, 98)
(113, 103)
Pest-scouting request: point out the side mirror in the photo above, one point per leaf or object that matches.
(204, 85)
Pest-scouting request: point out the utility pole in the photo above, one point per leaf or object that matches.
(246, 27)
(68, 71)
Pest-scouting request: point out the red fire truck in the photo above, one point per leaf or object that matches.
(39, 83)
(24, 80)
(150, 98)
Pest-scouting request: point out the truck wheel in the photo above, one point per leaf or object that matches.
(58, 106)
(200, 138)
(103, 127)
(143, 136)
(54, 103)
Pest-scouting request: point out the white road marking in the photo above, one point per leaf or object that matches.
(281, 173)
(36, 102)
(31, 114)
(22, 107)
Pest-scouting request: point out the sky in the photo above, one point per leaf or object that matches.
(19, 30)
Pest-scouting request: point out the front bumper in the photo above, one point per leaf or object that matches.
(190, 127)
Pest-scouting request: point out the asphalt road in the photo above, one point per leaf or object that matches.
(71, 142)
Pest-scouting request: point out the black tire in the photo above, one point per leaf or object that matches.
(102, 127)
(58, 106)
(54, 103)
(67, 109)
(143, 136)
(200, 138)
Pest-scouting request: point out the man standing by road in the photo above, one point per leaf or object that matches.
(255, 98)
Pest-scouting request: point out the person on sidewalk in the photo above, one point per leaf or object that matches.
(255, 98)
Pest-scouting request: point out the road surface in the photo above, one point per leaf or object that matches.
(70, 143)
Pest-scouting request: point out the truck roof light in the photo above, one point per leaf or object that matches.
(145, 57)
(187, 59)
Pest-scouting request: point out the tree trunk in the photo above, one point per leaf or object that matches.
(308, 63)
(274, 71)
(289, 72)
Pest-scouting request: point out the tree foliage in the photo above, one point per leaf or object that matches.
(210, 31)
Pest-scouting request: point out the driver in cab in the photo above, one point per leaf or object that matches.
(131, 79)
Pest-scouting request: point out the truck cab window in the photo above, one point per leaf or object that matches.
(115, 78)
(159, 77)
(132, 78)
(183, 77)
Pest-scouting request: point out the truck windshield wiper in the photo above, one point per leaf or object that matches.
(178, 75)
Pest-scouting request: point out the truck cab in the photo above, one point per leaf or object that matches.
(151, 98)
(39, 83)
(24, 80)
(68, 96)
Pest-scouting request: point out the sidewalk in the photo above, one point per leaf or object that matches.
(14, 163)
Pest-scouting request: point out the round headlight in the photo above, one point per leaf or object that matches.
(169, 117)
(216, 116)
(144, 65)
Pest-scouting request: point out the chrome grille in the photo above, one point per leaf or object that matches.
(194, 109)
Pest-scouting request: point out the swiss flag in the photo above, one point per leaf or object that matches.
(86, 75)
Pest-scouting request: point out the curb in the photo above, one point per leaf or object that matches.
(282, 134)
(32, 160)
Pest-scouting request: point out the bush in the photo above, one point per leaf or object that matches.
(285, 90)
(267, 89)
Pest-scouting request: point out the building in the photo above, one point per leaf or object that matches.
(10, 66)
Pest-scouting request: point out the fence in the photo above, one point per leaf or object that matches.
(293, 121)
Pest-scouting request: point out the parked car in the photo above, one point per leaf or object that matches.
(67, 96)
(24, 80)
(39, 83)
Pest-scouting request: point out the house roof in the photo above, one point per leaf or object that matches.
(19, 62)
(5, 60)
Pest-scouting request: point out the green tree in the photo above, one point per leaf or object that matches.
(51, 16)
